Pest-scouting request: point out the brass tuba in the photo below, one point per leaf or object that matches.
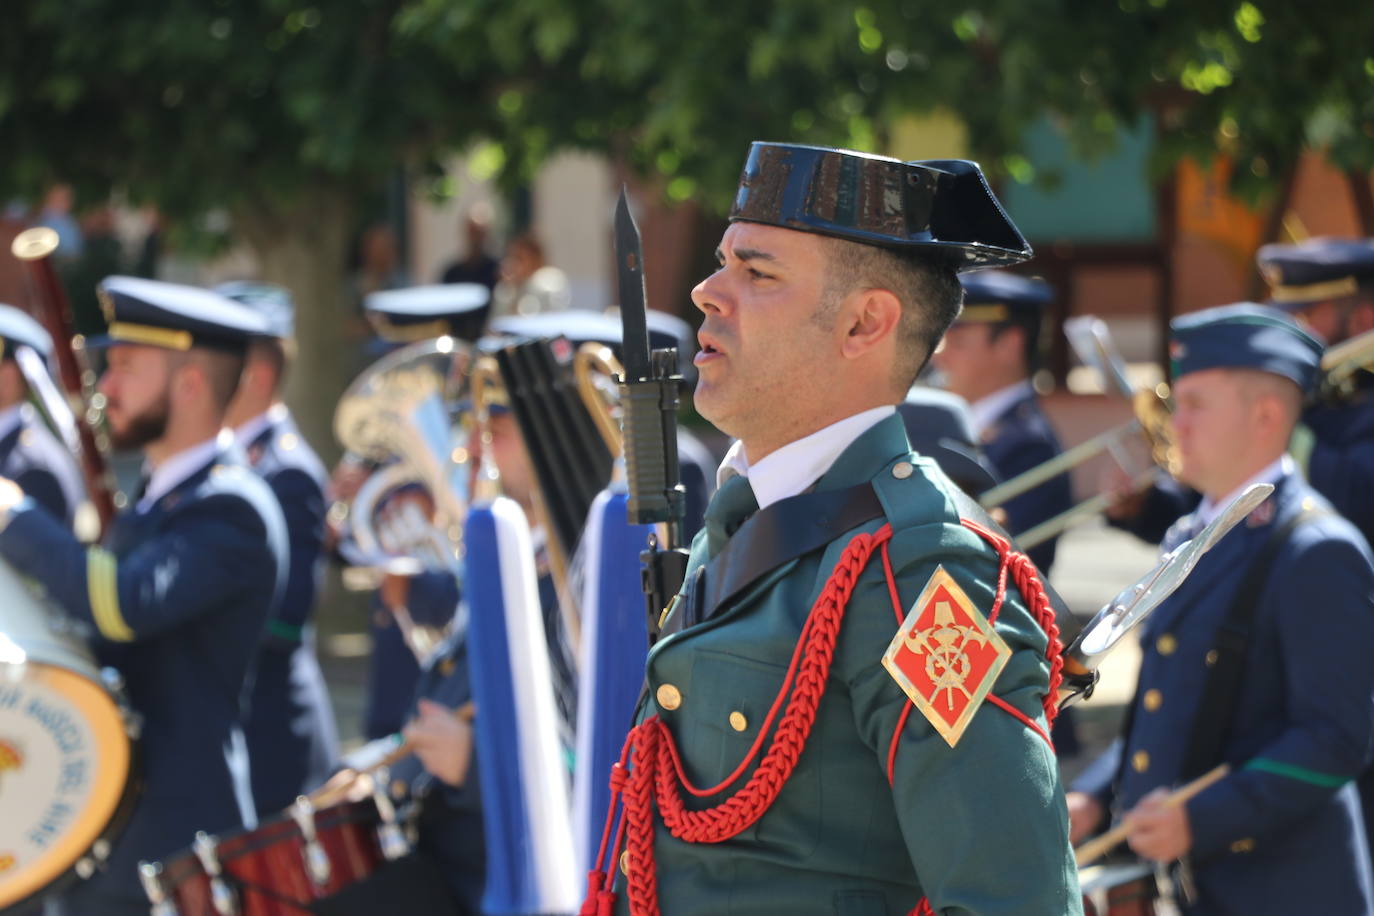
(398, 415)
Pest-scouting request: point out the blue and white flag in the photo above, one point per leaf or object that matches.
(525, 805)
(614, 645)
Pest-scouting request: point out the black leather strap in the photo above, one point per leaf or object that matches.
(1212, 724)
(786, 530)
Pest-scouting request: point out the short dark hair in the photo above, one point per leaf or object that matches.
(222, 370)
(277, 353)
(927, 288)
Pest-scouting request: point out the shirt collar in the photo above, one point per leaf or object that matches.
(797, 465)
(1275, 471)
(247, 432)
(10, 418)
(177, 468)
(985, 411)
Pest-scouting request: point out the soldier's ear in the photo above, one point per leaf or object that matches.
(871, 317)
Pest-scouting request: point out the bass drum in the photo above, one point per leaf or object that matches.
(66, 750)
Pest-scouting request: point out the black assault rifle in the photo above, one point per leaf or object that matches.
(649, 402)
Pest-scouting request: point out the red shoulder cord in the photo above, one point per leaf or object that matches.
(650, 768)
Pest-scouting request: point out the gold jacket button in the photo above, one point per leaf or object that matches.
(738, 722)
(1140, 761)
(625, 863)
(398, 788)
(1210, 659)
(902, 470)
(669, 697)
(1243, 845)
(1166, 644)
(446, 667)
(1153, 699)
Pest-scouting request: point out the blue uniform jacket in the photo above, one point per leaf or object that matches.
(393, 671)
(1283, 832)
(1020, 439)
(450, 818)
(176, 600)
(292, 740)
(32, 457)
(1341, 466)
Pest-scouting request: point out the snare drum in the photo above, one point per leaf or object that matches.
(1126, 889)
(281, 867)
(66, 749)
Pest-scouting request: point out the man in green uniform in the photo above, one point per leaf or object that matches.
(831, 723)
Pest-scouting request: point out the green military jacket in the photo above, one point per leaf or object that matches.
(979, 828)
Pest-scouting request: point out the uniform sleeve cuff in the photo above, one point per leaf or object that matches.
(23, 505)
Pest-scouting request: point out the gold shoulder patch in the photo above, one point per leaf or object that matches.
(946, 656)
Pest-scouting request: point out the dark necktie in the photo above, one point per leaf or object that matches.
(733, 503)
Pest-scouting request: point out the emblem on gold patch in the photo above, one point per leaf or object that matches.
(946, 656)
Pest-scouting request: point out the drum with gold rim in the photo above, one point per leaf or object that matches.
(67, 749)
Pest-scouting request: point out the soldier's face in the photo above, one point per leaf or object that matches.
(1213, 421)
(964, 356)
(136, 386)
(764, 350)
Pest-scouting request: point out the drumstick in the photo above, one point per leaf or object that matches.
(327, 794)
(1098, 846)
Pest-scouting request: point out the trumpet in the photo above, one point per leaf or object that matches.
(1151, 421)
(1093, 343)
(1342, 364)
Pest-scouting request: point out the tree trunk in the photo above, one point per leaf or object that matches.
(1363, 195)
(1273, 222)
(303, 246)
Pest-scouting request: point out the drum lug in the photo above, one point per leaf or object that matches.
(222, 896)
(150, 875)
(114, 681)
(316, 859)
(389, 833)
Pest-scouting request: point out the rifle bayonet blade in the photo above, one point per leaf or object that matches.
(1136, 602)
(629, 261)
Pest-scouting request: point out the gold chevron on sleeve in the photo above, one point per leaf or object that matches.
(102, 586)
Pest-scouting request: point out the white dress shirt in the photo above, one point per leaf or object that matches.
(985, 411)
(797, 465)
(180, 466)
(1271, 473)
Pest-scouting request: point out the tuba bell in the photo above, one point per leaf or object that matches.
(407, 515)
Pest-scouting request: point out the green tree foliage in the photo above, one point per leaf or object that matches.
(280, 113)
(285, 112)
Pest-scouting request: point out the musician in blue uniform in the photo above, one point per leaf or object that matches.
(293, 743)
(988, 358)
(400, 317)
(441, 776)
(176, 597)
(1327, 285)
(30, 454)
(1259, 660)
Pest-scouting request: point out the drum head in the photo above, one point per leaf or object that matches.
(65, 758)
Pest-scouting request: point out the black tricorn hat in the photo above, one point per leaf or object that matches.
(937, 207)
